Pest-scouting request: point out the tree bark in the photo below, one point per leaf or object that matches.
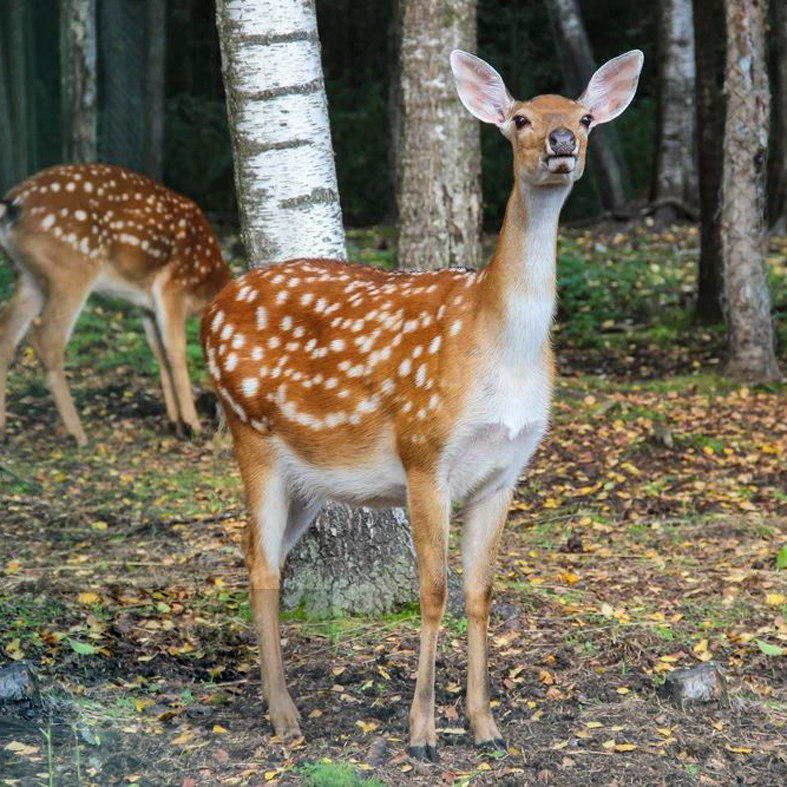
(78, 80)
(19, 158)
(154, 88)
(747, 300)
(777, 163)
(289, 207)
(439, 153)
(708, 35)
(675, 176)
(578, 65)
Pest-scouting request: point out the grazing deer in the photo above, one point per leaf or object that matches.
(346, 382)
(75, 229)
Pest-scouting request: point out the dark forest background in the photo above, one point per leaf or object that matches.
(356, 44)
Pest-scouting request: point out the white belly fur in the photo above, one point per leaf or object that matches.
(503, 422)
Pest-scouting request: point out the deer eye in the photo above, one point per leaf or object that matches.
(520, 121)
(586, 121)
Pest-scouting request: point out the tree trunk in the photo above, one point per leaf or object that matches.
(78, 80)
(747, 301)
(289, 207)
(708, 35)
(578, 65)
(19, 157)
(777, 164)
(439, 155)
(154, 93)
(675, 178)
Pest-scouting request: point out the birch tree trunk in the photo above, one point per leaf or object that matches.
(78, 80)
(747, 300)
(675, 178)
(439, 154)
(708, 31)
(777, 169)
(352, 560)
(578, 65)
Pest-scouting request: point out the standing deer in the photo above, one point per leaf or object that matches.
(374, 388)
(75, 229)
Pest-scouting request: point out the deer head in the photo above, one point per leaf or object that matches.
(549, 134)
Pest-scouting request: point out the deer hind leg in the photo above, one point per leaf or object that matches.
(429, 514)
(171, 320)
(15, 320)
(269, 505)
(484, 522)
(153, 335)
(50, 337)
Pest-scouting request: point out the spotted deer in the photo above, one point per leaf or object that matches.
(75, 229)
(369, 387)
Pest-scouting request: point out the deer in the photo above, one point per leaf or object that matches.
(379, 388)
(74, 229)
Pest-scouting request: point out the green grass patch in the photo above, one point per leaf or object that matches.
(333, 774)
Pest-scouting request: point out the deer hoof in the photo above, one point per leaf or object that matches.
(426, 753)
(495, 744)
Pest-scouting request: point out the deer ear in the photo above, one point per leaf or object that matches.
(481, 88)
(612, 87)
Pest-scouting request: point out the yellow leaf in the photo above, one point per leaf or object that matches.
(367, 726)
(270, 775)
(20, 748)
(593, 725)
(665, 731)
(315, 714)
(669, 659)
(606, 610)
(622, 690)
(218, 728)
(738, 749)
(484, 766)
(774, 599)
(12, 567)
(701, 646)
(625, 746)
(86, 597)
(609, 745)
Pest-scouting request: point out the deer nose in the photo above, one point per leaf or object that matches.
(562, 142)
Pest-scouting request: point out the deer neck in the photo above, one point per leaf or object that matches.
(518, 292)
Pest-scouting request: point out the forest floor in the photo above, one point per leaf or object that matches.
(646, 536)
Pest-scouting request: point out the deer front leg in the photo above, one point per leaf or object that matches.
(269, 503)
(483, 526)
(429, 512)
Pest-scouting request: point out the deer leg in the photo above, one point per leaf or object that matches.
(171, 320)
(153, 336)
(429, 513)
(483, 525)
(269, 505)
(15, 319)
(50, 337)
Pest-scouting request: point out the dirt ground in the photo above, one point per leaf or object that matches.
(645, 538)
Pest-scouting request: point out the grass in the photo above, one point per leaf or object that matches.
(332, 774)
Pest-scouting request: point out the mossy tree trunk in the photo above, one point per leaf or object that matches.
(438, 147)
(78, 78)
(746, 297)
